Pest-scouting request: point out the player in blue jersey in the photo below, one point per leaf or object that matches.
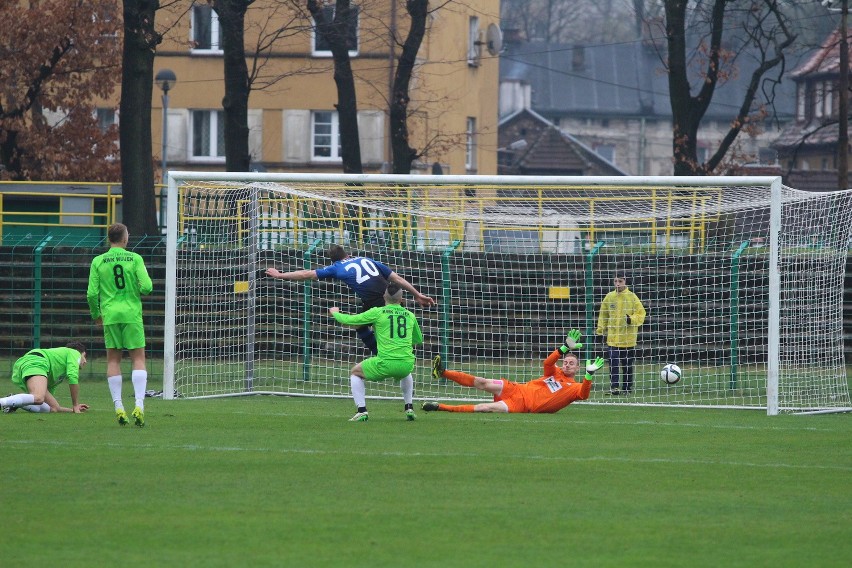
(367, 277)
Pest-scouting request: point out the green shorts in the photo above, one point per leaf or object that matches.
(378, 369)
(124, 336)
(29, 366)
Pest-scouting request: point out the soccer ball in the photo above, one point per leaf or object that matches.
(670, 374)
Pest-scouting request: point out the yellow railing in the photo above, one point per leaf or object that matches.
(68, 207)
(406, 216)
(72, 208)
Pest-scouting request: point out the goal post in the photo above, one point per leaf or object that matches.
(741, 279)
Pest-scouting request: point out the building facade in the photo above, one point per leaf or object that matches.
(292, 114)
(808, 147)
(614, 98)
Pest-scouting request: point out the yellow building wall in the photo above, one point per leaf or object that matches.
(446, 90)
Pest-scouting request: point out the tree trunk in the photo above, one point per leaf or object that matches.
(137, 83)
(235, 104)
(403, 153)
(766, 27)
(335, 33)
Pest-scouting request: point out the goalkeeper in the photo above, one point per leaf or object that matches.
(554, 391)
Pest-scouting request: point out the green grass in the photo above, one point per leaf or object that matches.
(274, 481)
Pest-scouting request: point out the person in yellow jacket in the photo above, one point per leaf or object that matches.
(620, 316)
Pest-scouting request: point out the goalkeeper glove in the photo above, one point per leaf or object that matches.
(571, 341)
(593, 366)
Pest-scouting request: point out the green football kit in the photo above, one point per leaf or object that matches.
(117, 280)
(57, 364)
(396, 332)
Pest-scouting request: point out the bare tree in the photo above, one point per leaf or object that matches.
(237, 87)
(137, 83)
(403, 153)
(763, 29)
(336, 33)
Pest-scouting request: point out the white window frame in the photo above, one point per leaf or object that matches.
(470, 145)
(334, 146)
(828, 91)
(212, 150)
(819, 99)
(474, 46)
(329, 11)
(215, 46)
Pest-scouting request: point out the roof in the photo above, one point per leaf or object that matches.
(825, 60)
(626, 79)
(547, 149)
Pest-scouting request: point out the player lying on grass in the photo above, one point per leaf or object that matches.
(550, 393)
(397, 331)
(39, 372)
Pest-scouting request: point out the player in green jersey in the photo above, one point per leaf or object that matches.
(117, 281)
(39, 372)
(397, 331)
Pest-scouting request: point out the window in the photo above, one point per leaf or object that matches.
(606, 151)
(474, 47)
(800, 101)
(208, 134)
(470, 145)
(325, 145)
(828, 96)
(106, 117)
(819, 100)
(321, 47)
(205, 28)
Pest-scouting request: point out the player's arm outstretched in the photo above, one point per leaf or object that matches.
(592, 367)
(572, 341)
(294, 275)
(421, 299)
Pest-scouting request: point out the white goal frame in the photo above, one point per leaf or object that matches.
(177, 178)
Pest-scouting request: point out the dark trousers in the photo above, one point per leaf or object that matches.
(621, 359)
(365, 333)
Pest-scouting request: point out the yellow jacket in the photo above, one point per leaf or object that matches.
(612, 321)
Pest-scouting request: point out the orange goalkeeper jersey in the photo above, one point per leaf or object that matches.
(550, 393)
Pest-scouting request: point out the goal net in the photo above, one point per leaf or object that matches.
(741, 280)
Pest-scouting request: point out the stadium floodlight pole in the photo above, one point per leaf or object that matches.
(165, 79)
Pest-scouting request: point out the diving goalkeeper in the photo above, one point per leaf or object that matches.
(548, 394)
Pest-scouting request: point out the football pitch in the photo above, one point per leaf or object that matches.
(278, 481)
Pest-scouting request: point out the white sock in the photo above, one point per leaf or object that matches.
(115, 390)
(43, 407)
(407, 386)
(359, 391)
(140, 381)
(18, 400)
